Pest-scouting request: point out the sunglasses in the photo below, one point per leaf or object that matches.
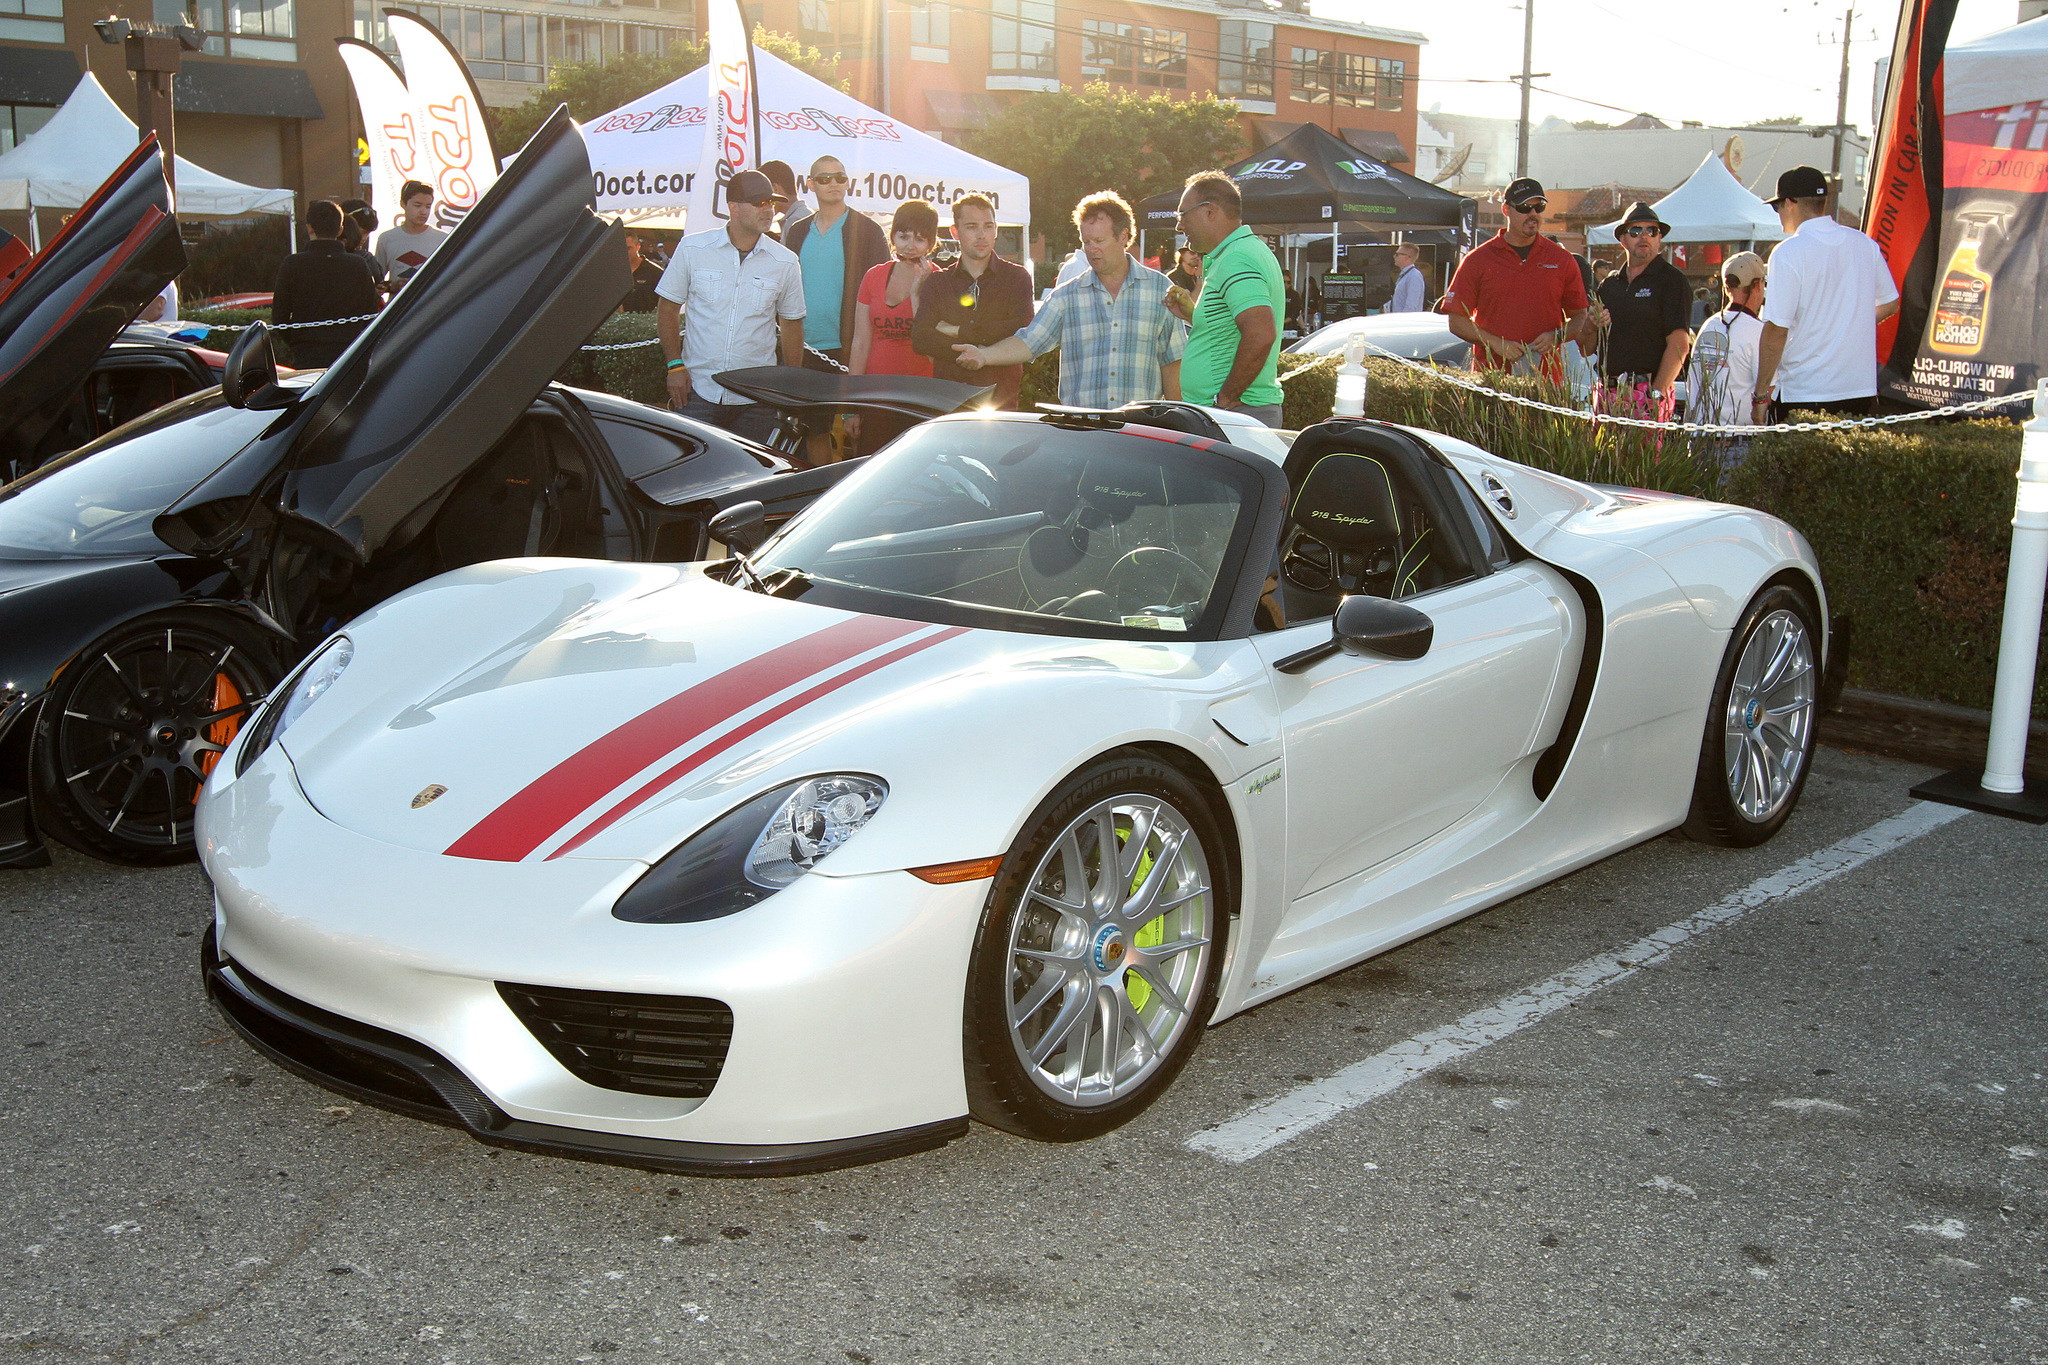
(1642, 231)
(830, 178)
(759, 203)
(1531, 206)
(1181, 215)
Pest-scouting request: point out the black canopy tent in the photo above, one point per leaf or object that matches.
(1313, 181)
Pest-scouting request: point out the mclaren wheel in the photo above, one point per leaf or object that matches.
(1760, 724)
(1096, 966)
(135, 724)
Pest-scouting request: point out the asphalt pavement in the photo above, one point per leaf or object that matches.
(1814, 1130)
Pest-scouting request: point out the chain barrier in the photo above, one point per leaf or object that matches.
(370, 317)
(1679, 428)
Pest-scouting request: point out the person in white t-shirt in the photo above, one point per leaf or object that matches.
(1829, 288)
(1721, 375)
(405, 247)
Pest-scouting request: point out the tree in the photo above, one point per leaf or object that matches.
(1074, 144)
(1789, 121)
(593, 88)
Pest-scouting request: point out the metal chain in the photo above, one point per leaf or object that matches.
(370, 317)
(1686, 428)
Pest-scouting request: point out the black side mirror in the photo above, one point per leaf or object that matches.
(1369, 625)
(250, 379)
(743, 526)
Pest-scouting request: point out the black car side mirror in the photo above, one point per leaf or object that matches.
(742, 526)
(250, 379)
(1369, 625)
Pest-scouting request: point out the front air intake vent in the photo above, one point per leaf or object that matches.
(670, 1045)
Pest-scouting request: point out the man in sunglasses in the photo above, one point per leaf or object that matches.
(1519, 296)
(1647, 308)
(836, 247)
(741, 289)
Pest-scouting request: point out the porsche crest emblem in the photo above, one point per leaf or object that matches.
(429, 794)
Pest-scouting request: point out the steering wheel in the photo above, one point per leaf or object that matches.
(1153, 575)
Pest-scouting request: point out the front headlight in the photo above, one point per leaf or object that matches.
(750, 853)
(291, 699)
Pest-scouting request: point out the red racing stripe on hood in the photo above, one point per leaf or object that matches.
(538, 811)
(696, 758)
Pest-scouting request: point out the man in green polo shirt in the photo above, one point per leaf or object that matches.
(1234, 342)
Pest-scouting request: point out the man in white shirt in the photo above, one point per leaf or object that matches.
(1829, 288)
(741, 290)
(1721, 375)
(1408, 283)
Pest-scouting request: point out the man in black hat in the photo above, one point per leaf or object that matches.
(1829, 288)
(743, 291)
(1647, 306)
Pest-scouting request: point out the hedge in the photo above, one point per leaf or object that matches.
(638, 374)
(1913, 528)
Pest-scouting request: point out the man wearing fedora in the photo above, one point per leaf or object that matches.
(1647, 307)
(1829, 288)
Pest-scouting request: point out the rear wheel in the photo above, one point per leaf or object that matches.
(1760, 726)
(134, 726)
(1096, 966)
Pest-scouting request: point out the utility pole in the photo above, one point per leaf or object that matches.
(1528, 51)
(1841, 102)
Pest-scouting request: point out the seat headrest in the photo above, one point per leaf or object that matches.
(1169, 415)
(1118, 485)
(1347, 502)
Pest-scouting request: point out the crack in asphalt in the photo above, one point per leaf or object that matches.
(330, 1204)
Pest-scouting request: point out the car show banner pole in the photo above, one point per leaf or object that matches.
(2001, 788)
(732, 128)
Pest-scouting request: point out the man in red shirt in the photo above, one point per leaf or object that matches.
(1518, 297)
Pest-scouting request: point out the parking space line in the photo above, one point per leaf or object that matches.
(1288, 1116)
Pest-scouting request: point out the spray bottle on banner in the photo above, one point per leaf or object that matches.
(1962, 302)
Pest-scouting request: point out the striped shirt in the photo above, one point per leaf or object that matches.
(1240, 273)
(1110, 349)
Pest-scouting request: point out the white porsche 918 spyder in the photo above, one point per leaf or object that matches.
(997, 774)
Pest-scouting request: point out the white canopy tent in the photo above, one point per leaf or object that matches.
(644, 153)
(1711, 206)
(1997, 70)
(60, 166)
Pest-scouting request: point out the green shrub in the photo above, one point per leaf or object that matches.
(241, 259)
(1571, 446)
(640, 374)
(1913, 529)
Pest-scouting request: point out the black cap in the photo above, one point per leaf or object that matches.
(749, 187)
(1525, 188)
(1639, 212)
(1801, 182)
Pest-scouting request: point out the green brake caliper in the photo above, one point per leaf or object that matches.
(1151, 936)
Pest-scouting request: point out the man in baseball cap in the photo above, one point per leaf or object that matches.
(1722, 375)
(1830, 287)
(740, 289)
(1518, 297)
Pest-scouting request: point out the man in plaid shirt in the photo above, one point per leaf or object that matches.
(1117, 342)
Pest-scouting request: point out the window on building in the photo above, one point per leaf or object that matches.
(1020, 38)
(1349, 80)
(32, 21)
(248, 28)
(503, 45)
(1244, 69)
(931, 25)
(1393, 76)
(1163, 58)
(18, 122)
(1106, 50)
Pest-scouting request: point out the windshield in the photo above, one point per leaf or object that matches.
(1027, 526)
(101, 498)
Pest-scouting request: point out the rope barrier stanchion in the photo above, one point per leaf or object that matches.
(2000, 787)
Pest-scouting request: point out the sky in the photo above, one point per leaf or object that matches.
(1721, 62)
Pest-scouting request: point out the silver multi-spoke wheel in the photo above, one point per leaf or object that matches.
(1770, 715)
(1110, 950)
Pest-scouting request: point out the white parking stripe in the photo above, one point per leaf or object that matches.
(1288, 1116)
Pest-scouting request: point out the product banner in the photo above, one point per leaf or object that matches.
(732, 131)
(453, 146)
(387, 123)
(1988, 314)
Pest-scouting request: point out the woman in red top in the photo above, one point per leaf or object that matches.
(887, 300)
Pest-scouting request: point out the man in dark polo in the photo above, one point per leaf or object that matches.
(1648, 309)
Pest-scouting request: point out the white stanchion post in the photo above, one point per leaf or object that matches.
(2026, 580)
